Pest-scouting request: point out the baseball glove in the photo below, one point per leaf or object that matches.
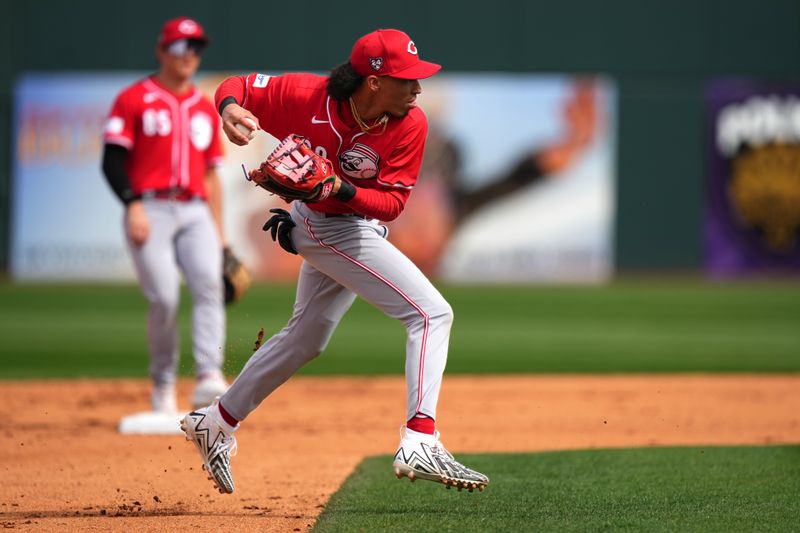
(235, 276)
(294, 172)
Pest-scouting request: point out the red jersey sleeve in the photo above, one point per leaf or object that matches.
(121, 123)
(378, 204)
(262, 94)
(233, 86)
(255, 92)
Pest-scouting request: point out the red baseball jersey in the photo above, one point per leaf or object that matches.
(172, 139)
(381, 161)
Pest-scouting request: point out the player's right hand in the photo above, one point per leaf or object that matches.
(137, 223)
(235, 114)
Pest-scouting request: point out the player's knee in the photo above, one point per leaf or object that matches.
(308, 343)
(438, 314)
(310, 355)
(443, 314)
(206, 289)
(164, 305)
(316, 344)
(322, 331)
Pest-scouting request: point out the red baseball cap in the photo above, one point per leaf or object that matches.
(390, 53)
(181, 28)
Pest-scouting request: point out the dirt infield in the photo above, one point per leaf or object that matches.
(65, 467)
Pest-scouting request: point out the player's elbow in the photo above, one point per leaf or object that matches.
(393, 210)
(105, 164)
(389, 217)
(113, 163)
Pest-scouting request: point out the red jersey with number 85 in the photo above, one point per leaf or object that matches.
(172, 139)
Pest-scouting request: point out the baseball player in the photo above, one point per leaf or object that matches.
(161, 145)
(364, 119)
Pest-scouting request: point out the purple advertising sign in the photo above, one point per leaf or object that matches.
(753, 187)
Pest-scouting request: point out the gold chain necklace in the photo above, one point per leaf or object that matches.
(382, 121)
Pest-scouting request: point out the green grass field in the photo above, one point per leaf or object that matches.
(666, 326)
(633, 326)
(656, 489)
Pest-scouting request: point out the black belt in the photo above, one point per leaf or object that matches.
(357, 215)
(176, 194)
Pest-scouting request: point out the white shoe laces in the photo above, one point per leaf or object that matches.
(226, 445)
(440, 449)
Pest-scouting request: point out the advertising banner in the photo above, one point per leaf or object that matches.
(753, 187)
(517, 184)
(65, 221)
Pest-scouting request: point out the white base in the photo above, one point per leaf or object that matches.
(151, 423)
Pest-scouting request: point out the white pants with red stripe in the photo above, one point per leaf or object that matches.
(182, 236)
(345, 257)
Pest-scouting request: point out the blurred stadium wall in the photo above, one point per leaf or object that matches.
(660, 54)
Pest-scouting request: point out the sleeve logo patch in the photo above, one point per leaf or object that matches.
(115, 125)
(261, 81)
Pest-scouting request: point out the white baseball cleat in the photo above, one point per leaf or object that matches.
(422, 456)
(209, 386)
(214, 439)
(162, 398)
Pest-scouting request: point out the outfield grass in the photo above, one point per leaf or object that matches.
(656, 489)
(670, 326)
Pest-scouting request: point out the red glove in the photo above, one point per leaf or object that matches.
(294, 172)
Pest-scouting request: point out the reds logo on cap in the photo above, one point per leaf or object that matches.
(187, 26)
(390, 53)
(181, 28)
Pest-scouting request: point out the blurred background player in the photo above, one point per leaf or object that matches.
(161, 146)
(364, 118)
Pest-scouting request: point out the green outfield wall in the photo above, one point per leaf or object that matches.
(661, 54)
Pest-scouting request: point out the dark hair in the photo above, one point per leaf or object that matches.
(343, 81)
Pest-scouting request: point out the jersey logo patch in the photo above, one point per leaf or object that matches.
(359, 162)
(261, 81)
(201, 130)
(376, 63)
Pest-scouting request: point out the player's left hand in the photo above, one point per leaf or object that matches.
(281, 224)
